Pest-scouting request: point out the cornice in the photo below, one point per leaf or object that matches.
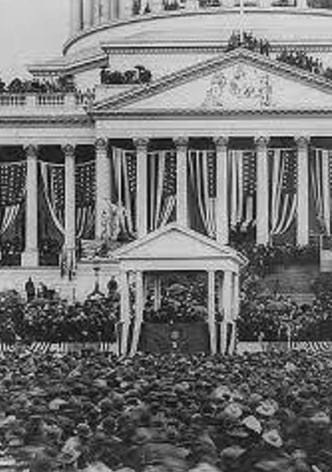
(46, 121)
(217, 47)
(202, 69)
(175, 114)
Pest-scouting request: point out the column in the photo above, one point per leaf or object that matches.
(75, 16)
(222, 227)
(105, 11)
(212, 310)
(113, 10)
(181, 181)
(87, 13)
(235, 310)
(70, 201)
(157, 291)
(125, 312)
(103, 185)
(142, 190)
(30, 255)
(139, 308)
(157, 6)
(302, 236)
(125, 9)
(227, 296)
(262, 191)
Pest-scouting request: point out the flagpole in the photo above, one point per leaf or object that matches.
(241, 22)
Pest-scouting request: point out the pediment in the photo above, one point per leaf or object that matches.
(236, 81)
(176, 242)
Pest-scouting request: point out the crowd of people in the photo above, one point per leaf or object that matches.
(248, 41)
(46, 318)
(137, 75)
(91, 412)
(64, 84)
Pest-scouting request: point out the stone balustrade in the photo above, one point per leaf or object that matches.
(27, 102)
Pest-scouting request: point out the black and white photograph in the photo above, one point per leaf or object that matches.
(165, 236)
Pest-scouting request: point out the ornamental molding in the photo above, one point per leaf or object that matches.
(60, 120)
(175, 113)
(238, 85)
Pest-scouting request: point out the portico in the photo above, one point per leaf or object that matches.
(175, 248)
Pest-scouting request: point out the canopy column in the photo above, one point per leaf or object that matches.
(139, 308)
(235, 311)
(181, 181)
(212, 310)
(30, 256)
(262, 193)
(125, 312)
(103, 185)
(302, 235)
(227, 296)
(222, 229)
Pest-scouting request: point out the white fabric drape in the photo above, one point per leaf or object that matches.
(85, 220)
(123, 190)
(319, 182)
(48, 175)
(10, 214)
(199, 175)
(161, 203)
(283, 203)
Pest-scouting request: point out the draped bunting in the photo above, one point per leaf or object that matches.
(53, 177)
(282, 183)
(162, 188)
(12, 193)
(241, 188)
(202, 177)
(320, 187)
(123, 201)
(85, 178)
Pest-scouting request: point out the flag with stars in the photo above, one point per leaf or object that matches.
(85, 182)
(282, 191)
(12, 194)
(12, 183)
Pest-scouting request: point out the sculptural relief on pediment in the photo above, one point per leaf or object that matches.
(241, 85)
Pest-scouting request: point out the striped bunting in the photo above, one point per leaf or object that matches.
(307, 346)
(65, 348)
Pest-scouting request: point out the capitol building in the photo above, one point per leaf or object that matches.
(164, 132)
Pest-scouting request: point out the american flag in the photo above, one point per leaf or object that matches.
(56, 188)
(85, 184)
(249, 173)
(131, 167)
(212, 174)
(170, 175)
(289, 183)
(12, 183)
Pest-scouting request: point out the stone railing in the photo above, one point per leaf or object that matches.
(159, 6)
(46, 101)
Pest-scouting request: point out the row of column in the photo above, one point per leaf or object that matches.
(222, 226)
(227, 284)
(90, 13)
(30, 257)
(103, 191)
